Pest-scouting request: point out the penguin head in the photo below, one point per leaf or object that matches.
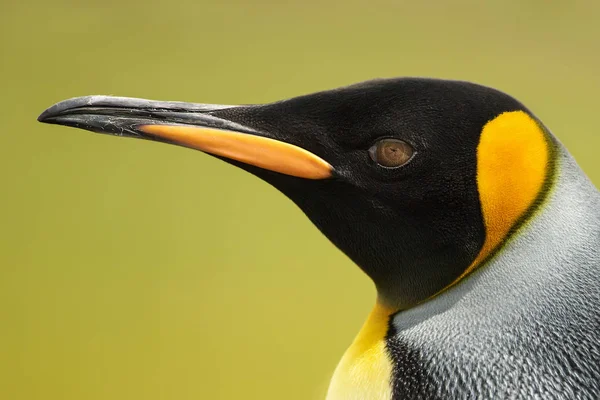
(418, 181)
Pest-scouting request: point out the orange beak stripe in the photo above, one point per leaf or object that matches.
(259, 151)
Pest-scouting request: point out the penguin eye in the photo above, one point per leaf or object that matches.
(391, 153)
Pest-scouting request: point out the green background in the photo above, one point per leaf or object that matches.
(137, 270)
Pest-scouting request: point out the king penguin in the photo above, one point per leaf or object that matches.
(479, 230)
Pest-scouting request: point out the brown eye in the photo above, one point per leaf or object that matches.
(391, 153)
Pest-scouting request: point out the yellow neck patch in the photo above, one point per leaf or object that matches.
(365, 370)
(514, 161)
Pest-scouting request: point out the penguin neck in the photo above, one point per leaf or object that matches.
(558, 244)
(403, 287)
(550, 261)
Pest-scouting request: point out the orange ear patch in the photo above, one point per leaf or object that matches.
(514, 162)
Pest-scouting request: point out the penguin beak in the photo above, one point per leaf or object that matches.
(190, 125)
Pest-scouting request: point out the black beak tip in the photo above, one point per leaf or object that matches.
(63, 106)
(47, 114)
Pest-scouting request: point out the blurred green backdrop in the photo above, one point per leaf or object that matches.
(136, 270)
